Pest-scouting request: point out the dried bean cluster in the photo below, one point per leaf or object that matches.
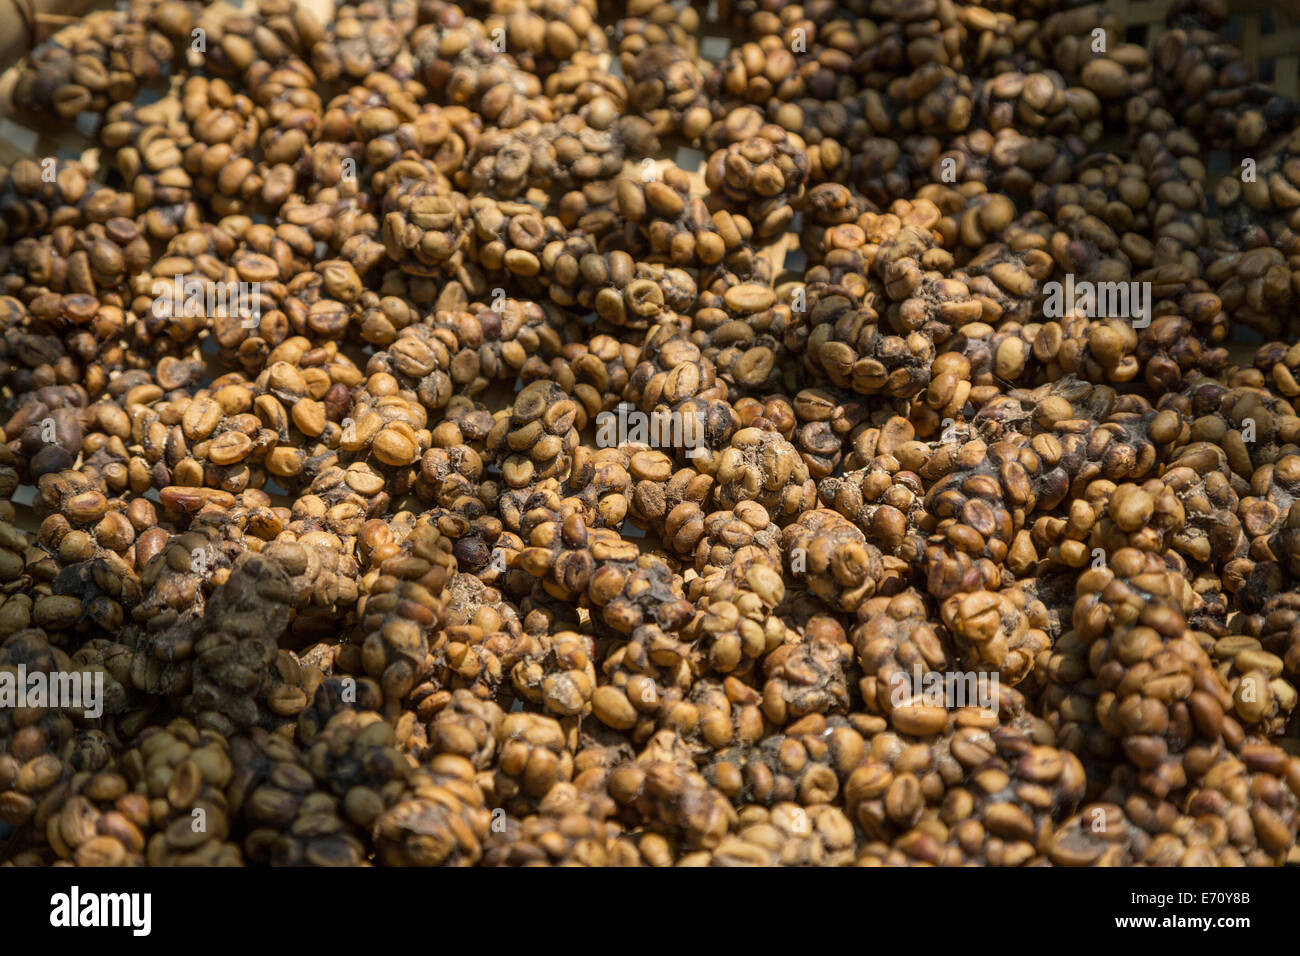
(426, 470)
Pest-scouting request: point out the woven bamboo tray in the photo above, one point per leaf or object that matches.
(1266, 31)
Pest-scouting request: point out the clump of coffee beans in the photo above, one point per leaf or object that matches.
(430, 465)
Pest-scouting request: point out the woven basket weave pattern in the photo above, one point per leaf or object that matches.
(1266, 31)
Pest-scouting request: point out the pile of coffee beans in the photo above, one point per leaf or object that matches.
(405, 461)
